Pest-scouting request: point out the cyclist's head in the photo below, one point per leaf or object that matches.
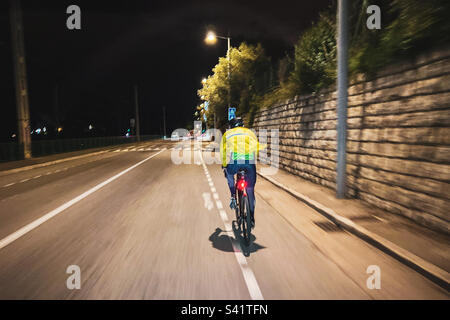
(235, 122)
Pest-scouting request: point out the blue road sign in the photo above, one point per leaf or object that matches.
(231, 113)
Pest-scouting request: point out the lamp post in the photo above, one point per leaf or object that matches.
(341, 103)
(211, 38)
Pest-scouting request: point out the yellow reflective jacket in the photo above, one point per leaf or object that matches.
(242, 143)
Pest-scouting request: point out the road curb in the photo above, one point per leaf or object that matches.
(429, 270)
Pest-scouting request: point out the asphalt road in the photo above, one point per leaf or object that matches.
(140, 226)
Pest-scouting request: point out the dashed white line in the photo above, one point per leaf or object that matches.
(223, 215)
(249, 277)
(9, 184)
(24, 230)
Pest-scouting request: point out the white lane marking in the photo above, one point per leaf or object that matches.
(9, 184)
(378, 218)
(38, 176)
(223, 215)
(249, 276)
(207, 201)
(36, 223)
(24, 180)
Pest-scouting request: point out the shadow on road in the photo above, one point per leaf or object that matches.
(222, 242)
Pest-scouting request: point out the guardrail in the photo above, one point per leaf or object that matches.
(12, 151)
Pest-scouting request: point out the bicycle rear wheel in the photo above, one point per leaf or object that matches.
(246, 220)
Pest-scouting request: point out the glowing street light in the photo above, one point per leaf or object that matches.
(211, 38)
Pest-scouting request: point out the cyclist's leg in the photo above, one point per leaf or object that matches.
(231, 171)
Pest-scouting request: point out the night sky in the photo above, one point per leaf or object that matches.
(156, 44)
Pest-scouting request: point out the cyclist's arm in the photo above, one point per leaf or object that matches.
(223, 149)
(258, 145)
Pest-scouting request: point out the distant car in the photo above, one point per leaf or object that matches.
(205, 136)
(175, 136)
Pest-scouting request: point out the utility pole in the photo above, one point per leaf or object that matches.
(164, 121)
(20, 78)
(136, 104)
(341, 103)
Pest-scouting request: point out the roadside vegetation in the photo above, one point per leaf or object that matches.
(408, 27)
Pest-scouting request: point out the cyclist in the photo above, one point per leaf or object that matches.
(242, 145)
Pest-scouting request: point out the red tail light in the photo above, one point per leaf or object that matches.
(242, 185)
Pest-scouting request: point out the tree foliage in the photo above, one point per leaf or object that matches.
(408, 27)
(315, 56)
(248, 65)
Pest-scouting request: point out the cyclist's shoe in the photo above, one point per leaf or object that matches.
(233, 204)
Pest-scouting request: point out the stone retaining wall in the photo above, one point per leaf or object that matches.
(398, 139)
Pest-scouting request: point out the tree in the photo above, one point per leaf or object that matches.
(248, 66)
(315, 56)
(408, 27)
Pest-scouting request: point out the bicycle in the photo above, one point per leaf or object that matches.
(243, 215)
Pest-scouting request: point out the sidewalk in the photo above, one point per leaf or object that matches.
(414, 245)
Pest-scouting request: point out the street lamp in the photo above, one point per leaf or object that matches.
(211, 38)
